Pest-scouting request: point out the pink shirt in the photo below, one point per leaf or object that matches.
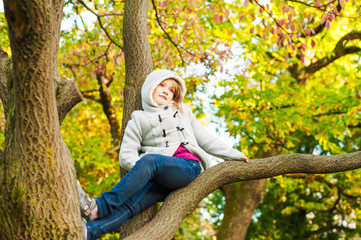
(182, 152)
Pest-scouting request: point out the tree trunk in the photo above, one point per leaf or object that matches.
(242, 200)
(39, 199)
(138, 59)
(138, 64)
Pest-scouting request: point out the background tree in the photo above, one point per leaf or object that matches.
(295, 87)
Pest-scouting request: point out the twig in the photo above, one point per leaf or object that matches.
(165, 32)
(101, 24)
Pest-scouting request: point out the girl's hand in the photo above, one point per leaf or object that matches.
(244, 158)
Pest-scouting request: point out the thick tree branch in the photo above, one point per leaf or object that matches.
(138, 59)
(5, 71)
(90, 95)
(340, 50)
(67, 96)
(33, 141)
(183, 201)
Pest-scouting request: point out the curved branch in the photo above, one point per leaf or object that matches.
(92, 95)
(108, 109)
(183, 201)
(355, 126)
(339, 51)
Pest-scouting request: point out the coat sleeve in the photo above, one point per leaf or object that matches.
(130, 147)
(211, 143)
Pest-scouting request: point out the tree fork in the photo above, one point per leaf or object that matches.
(67, 91)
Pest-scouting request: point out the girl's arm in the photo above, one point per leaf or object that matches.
(129, 150)
(212, 144)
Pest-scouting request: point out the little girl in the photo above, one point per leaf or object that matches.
(164, 148)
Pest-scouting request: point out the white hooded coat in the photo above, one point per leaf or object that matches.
(162, 129)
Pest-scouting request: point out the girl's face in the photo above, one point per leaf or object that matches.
(164, 92)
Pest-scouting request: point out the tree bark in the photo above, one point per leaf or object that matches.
(138, 59)
(242, 199)
(183, 201)
(39, 198)
(138, 64)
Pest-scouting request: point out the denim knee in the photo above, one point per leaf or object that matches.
(149, 160)
(147, 165)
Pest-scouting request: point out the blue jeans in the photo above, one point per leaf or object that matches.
(151, 179)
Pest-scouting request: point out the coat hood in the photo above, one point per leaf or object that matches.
(152, 81)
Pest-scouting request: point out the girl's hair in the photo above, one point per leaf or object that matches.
(177, 96)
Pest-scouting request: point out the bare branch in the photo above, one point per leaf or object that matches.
(355, 126)
(177, 46)
(275, 20)
(89, 95)
(165, 32)
(183, 201)
(321, 8)
(112, 150)
(108, 109)
(329, 113)
(100, 23)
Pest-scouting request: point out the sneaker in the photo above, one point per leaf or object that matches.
(87, 204)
